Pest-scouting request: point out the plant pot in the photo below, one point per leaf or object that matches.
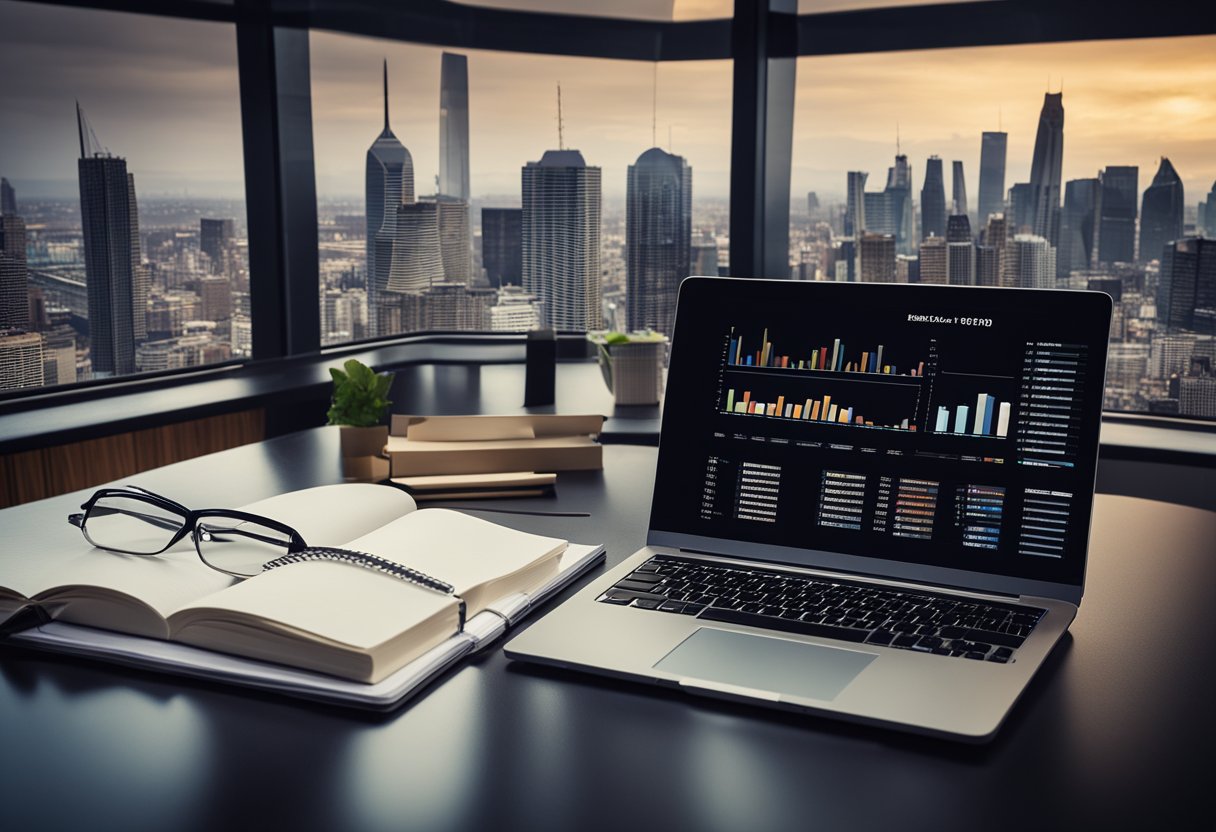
(633, 371)
(362, 452)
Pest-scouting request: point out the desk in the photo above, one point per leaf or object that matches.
(1115, 732)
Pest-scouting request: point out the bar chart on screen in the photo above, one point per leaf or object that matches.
(986, 416)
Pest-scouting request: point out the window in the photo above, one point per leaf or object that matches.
(122, 244)
(1080, 165)
(457, 203)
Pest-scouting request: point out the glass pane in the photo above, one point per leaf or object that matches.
(476, 213)
(122, 243)
(632, 9)
(1084, 166)
(129, 524)
(239, 547)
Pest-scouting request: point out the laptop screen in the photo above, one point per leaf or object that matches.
(941, 430)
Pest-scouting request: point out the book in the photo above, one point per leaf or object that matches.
(478, 486)
(437, 445)
(321, 617)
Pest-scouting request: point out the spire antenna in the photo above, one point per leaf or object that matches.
(386, 94)
(654, 107)
(561, 141)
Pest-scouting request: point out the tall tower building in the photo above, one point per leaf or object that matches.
(1030, 263)
(8, 197)
(455, 227)
(933, 200)
(560, 226)
(14, 277)
(1079, 226)
(855, 206)
(417, 258)
(117, 280)
(990, 256)
(1021, 208)
(215, 240)
(993, 146)
(1117, 217)
(501, 246)
(900, 211)
(1046, 167)
(934, 261)
(388, 183)
(960, 251)
(658, 238)
(877, 258)
(1161, 212)
(958, 185)
(1188, 282)
(454, 126)
(1207, 214)
(878, 212)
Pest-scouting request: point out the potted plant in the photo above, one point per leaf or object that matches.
(358, 405)
(632, 364)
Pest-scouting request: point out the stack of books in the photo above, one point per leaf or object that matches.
(472, 457)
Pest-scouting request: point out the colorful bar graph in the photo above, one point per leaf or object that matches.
(989, 417)
(833, 358)
(822, 410)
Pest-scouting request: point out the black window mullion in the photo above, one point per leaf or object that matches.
(280, 187)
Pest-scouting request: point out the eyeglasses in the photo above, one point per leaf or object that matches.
(135, 521)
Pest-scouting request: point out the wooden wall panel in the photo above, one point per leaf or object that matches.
(46, 472)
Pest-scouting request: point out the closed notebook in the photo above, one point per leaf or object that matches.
(333, 618)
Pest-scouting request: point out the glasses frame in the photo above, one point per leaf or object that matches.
(189, 524)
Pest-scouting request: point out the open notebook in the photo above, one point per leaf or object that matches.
(323, 630)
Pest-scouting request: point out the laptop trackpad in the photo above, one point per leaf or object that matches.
(765, 663)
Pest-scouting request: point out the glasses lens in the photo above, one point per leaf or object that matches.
(130, 524)
(238, 546)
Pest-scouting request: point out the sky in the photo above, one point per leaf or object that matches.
(163, 93)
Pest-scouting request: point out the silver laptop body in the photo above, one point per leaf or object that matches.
(982, 492)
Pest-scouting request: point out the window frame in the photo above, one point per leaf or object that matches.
(763, 39)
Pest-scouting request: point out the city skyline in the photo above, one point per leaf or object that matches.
(179, 78)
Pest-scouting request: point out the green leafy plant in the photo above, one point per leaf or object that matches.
(359, 398)
(604, 340)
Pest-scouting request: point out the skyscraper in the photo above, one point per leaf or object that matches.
(1030, 263)
(388, 183)
(877, 258)
(900, 211)
(933, 200)
(1207, 213)
(561, 239)
(455, 227)
(454, 236)
(658, 238)
(992, 174)
(1021, 208)
(117, 280)
(1188, 282)
(454, 126)
(878, 213)
(990, 256)
(1161, 212)
(215, 239)
(501, 246)
(417, 259)
(8, 197)
(1046, 167)
(1117, 223)
(960, 251)
(21, 359)
(855, 205)
(14, 278)
(933, 261)
(958, 185)
(1078, 226)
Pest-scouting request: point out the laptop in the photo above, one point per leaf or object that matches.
(872, 503)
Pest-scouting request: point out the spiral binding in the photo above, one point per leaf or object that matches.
(372, 562)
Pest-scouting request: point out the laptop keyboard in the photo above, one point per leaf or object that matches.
(940, 624)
